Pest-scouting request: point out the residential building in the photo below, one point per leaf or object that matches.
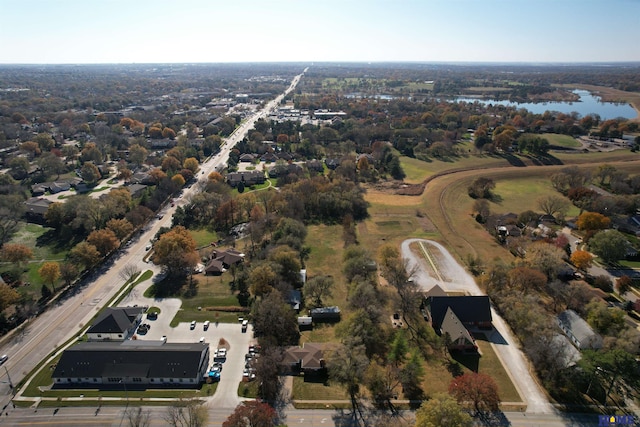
(578, 331)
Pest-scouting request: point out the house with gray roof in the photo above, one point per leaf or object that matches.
(133, 364)
(578, 331)
(115, 324)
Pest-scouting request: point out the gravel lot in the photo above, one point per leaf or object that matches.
(456, 279)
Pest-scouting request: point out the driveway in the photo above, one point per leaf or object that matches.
(451, 277)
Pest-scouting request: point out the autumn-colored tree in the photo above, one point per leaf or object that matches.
(582, 260)
(442, 411)
(168, 133)
(68, 273)
(215, 177)
(545, 257)
(624, 283)
(252, 413)
(170, 164)
(191, 163)
(262, 278)
(45, 141)
(90, 173)
(126, 122)
(592, 221)
(157, 175)
(137, 154)
(155, 132)
(105, 240)
(479, 391)
(527, 279)
(125, 174)
(31, 147)
(15, 253)
(120, 227)
(176, 249)
(8, 296)
(50, 273)
(86, 254)
(178, 180)
(91, 153)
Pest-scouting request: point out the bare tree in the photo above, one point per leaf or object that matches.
(138, 417)
(186, 413)
(553, 205)
(129, 272)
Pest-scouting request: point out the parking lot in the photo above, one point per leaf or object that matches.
(237, 342)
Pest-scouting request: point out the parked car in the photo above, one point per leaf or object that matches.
(3, 359)
(221, 353)
(245, 324)
(206, 325)
(193, 325)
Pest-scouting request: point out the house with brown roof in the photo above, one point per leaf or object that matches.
(454, 316)
(308, 358)
(222, 260)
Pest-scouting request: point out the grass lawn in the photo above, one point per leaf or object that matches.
(311, 390)
(561, 140)
(203, 237)
(214, 297)
(248, 389)
(438, 374)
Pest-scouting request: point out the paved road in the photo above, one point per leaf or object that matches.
(452, 277)
(29, 346)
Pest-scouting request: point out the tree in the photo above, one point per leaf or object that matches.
(191, 163)
(582, 260)
(591, 221)
(187, 413)
(137, 154)
(611, 370)
(317, 288)
(50, 273)
(90, 173)
(68, 273)
(527, 279)
(553, 205)
(604, 319)
(442, 410)
(262, 278)
(129, 272)
(85, 253)
(545, 257)
(176, 249)
(252, 413)
(482, 209)
(624, 284)
(11, 210)
(15, 253)
(287, 262)
(347, 366)
(8, 296)
(481, 188)
(45, 141)
(285, 330)
(120, 227)
(478, 390)
(50, 164)
(104, 240)
(138, 418)
(610, 245)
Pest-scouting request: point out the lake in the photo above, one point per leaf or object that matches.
(588, 104)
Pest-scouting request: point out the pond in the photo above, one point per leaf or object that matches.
(588, 104)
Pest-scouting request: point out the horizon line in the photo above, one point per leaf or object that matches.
(311, 63)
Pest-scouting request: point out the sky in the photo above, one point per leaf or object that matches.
(205, 31)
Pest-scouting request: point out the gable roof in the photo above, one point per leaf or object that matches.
(453, 327)
(468, 309)
(436, 291)
(576, 326)
(310, 355)
(146, 359)
(115, 320)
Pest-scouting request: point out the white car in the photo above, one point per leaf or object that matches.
(201, 339)
(221, 353)
(193, 324)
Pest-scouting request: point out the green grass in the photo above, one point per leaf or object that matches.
(248, 389)
(203, 237)
(309, 390)
(561, 140)
(630, 264)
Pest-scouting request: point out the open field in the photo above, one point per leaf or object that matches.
(561, 140)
